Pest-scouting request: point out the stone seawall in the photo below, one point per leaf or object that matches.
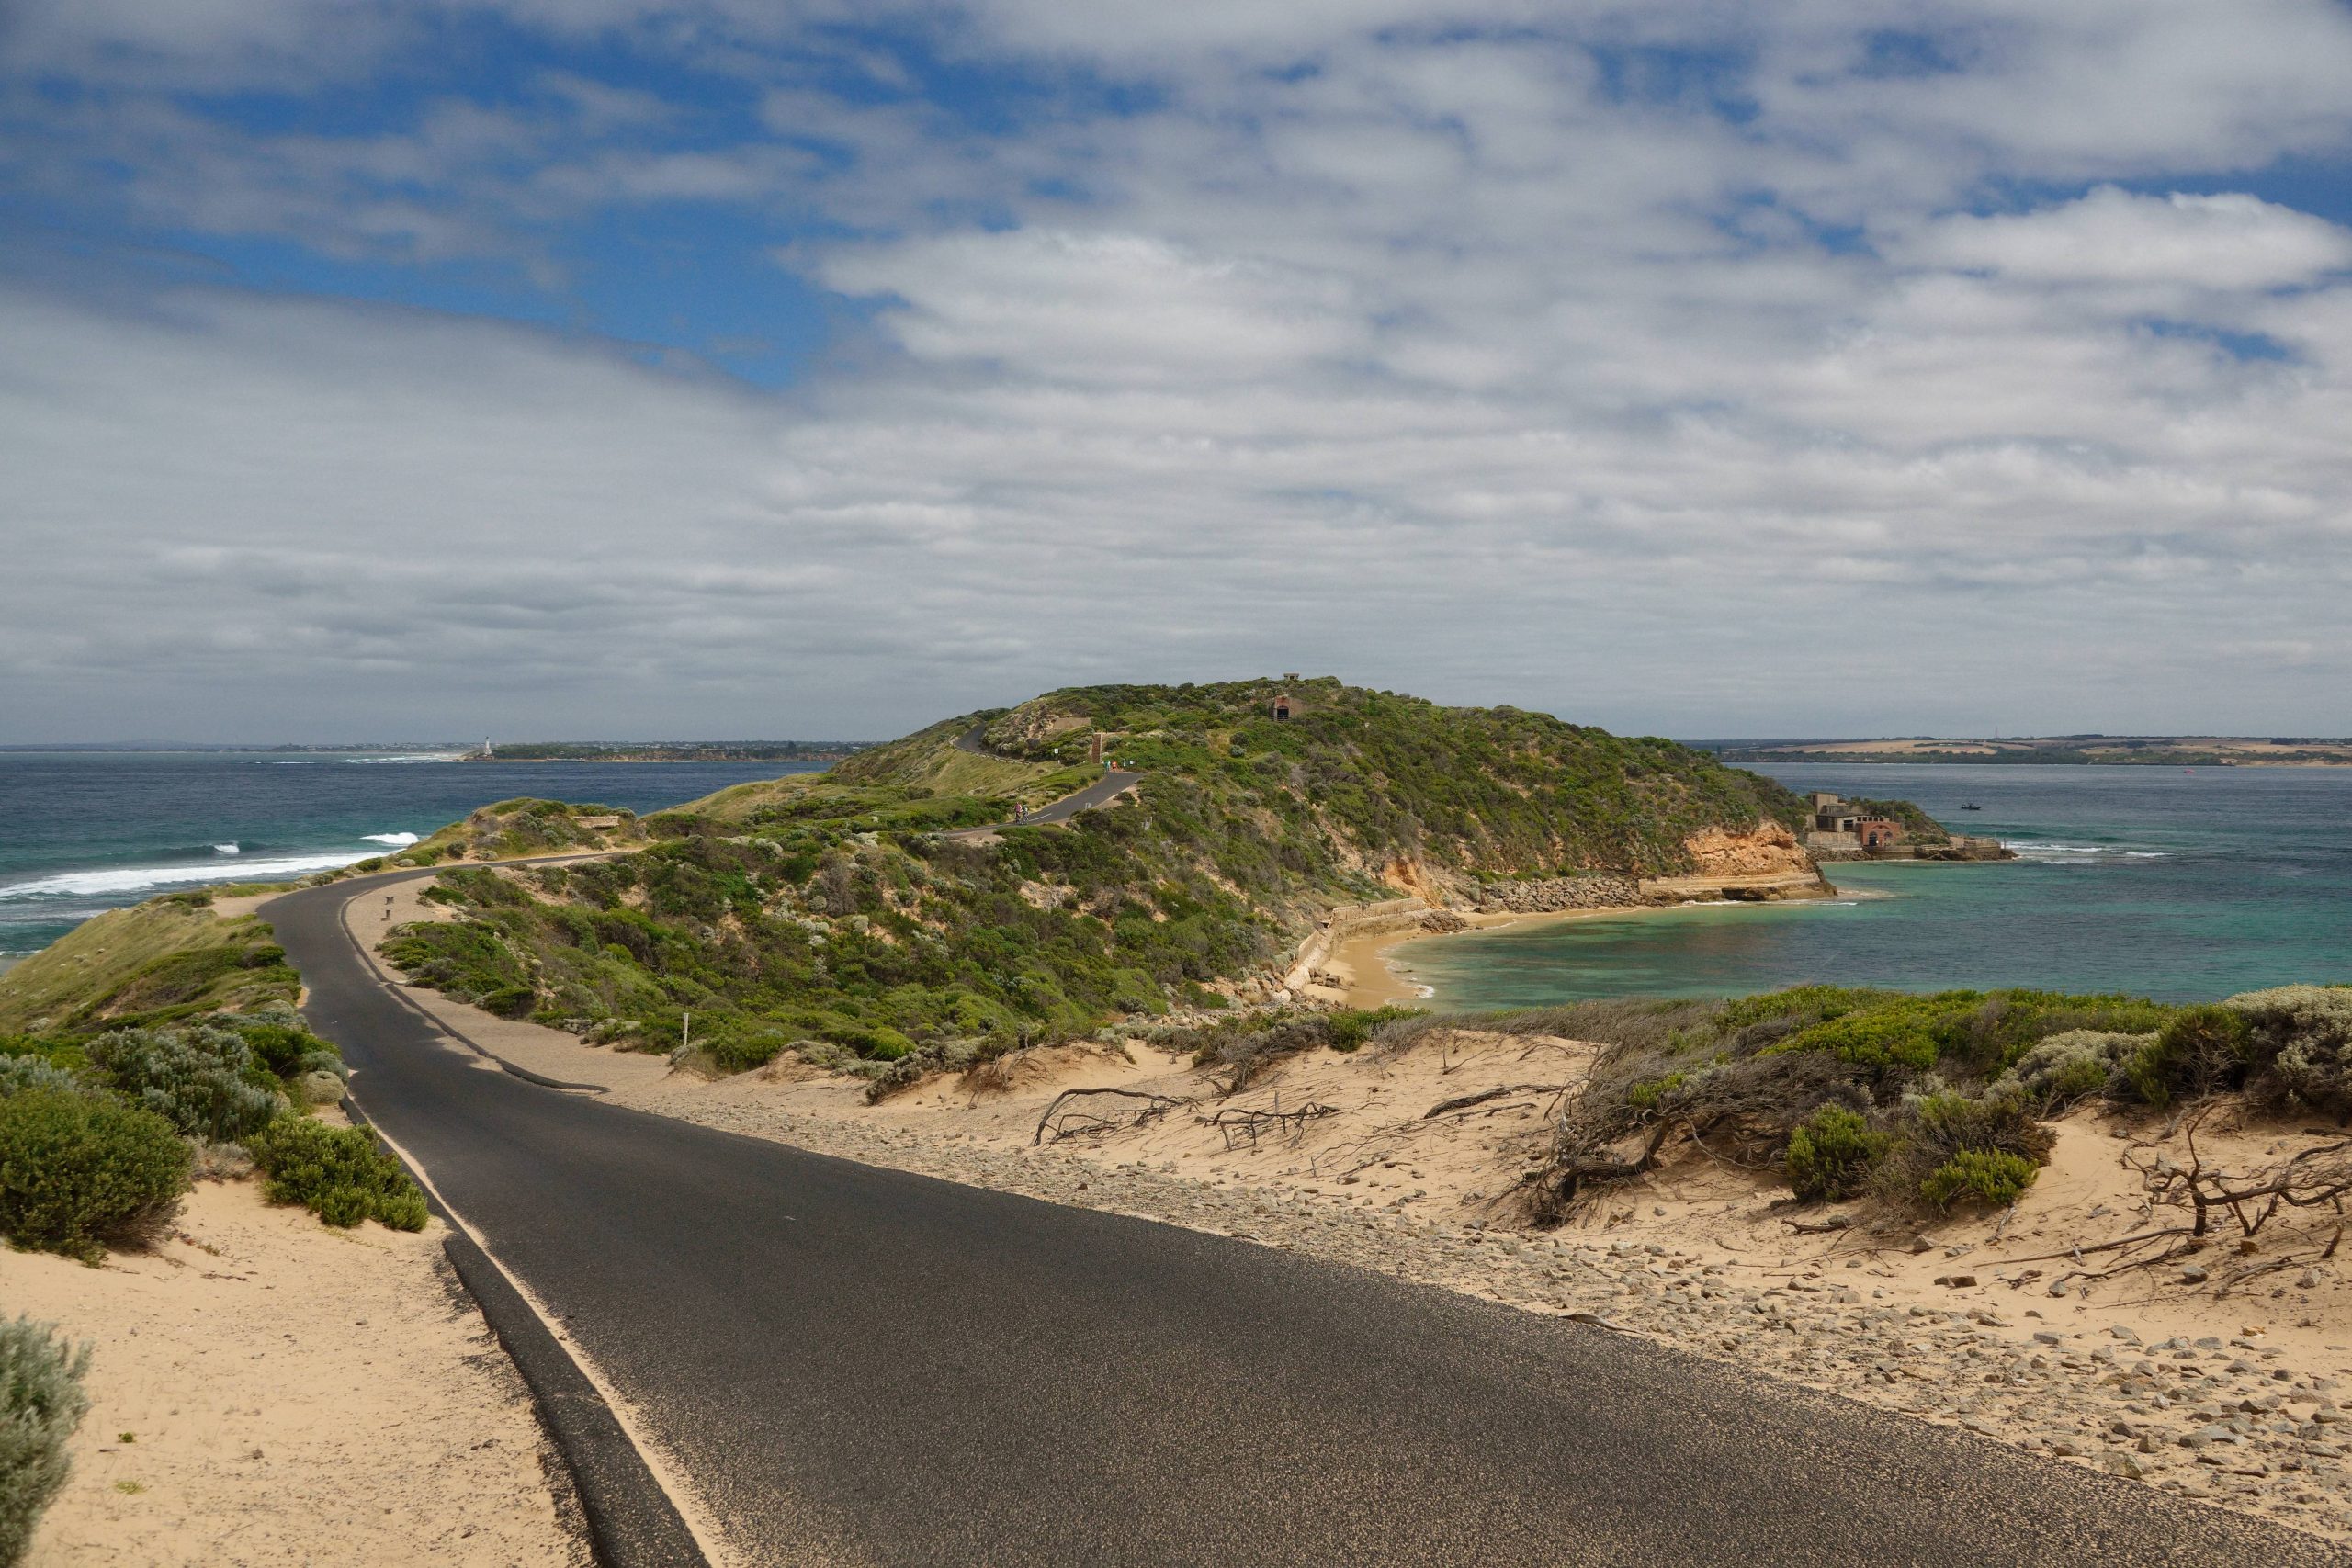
(1959, 848)
(1298, 969)
(1553, 895)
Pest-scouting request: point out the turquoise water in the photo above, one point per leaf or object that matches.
(2157, 882)
(85, 832)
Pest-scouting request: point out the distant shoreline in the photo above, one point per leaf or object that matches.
(2048, 751)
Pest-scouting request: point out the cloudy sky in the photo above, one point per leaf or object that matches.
(754, 368)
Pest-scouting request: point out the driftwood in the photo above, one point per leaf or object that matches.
(1249, 1125)
(1463, 1102)
(1833, 1223)
(2312, 1178)
(2077, 1252)
(1074, 1122)
(1572, 1170)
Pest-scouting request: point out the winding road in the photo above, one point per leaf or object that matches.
(854, 1365)
(1113, 783)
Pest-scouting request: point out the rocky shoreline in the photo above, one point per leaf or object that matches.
(1556, 895)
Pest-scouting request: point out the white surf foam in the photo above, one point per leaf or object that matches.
(2056, 854)
(134, 879)
(227, 849)
(397, 841)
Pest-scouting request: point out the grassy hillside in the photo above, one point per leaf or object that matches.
(522, 825)
(927, 766)
(168, 958)
(1362, 778)
(831, 909)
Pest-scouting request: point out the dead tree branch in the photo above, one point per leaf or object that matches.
(1249, 1126)
(1463, 1102)
(1075, 1122)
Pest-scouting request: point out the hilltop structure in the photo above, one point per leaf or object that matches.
(1838, 824)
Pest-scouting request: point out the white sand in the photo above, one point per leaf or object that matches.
(267, 1391)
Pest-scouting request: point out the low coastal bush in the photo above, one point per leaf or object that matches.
(338, 1173)
(283, 1043)
(21, 1071)
(1846, 1086)
(41, 1403)
(2299, 1040)
(2198, 1050)
(80, 1173)
(1247, 1047)
(1832, 1154)
(1987, 1175)
(203, 1079)
(2074, 1065)
(1939, 1136)
(1352, 1027)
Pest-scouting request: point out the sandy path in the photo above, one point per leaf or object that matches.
(547, 1052)
(265, 1391)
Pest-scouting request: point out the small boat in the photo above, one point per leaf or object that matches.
(1971, 806)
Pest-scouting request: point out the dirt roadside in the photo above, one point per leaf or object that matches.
(267, 1390)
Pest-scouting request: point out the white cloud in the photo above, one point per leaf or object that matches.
(1457, 361)
(2110, 236)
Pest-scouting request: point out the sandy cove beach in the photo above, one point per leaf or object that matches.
(1369, 979)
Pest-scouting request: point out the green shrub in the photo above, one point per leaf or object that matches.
(1645, 1094)
(338, 1173)
(283, 1042)
(79, 1172)
(1988, 1175)
(202, 1078)
(885, 1044)
(2198, 1050)
(41, 1403)
(1904, 1034)
(1937, 1129)
(1833, 1152)
(508, 1001)
(22, 1072)
(2071, 1066)
(1350, 1027)
(2300, 1042)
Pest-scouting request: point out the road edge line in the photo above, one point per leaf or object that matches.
(638, 1516)
(399, 990)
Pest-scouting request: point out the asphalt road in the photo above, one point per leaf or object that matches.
(1103, 792)
(1112, 786)
(856, 1365)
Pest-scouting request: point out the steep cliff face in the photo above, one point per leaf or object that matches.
(1765, 849)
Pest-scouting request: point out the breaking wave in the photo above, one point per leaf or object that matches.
(2077, 855)
(115, 880)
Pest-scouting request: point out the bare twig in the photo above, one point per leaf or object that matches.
(2077, 1252)
(1463, 1102)
(1157, 1106)
(1833, 1223)
(1249, 1125)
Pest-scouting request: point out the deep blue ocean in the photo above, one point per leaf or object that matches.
(2156, 882)
(84, 831)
